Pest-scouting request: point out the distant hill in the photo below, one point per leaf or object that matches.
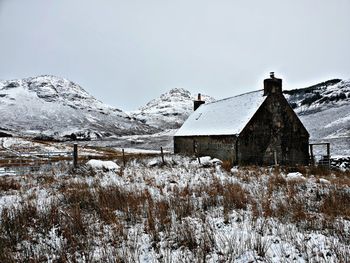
(324, 108)
(54, 107)
(170, 110)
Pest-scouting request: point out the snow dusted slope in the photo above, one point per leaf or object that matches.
(324, 108)
(57, 107)
(325, 111)
(170, 110)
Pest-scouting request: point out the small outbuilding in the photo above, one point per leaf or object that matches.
(253, 128)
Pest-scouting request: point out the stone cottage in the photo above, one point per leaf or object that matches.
(253, 128)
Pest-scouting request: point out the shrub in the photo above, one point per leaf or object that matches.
(336, 203)
(8, 184)
(311, 99)
(226, 165)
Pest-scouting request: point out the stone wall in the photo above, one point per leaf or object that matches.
(274, 133)
(221, 147)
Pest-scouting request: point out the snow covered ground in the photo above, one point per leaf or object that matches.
(179, 212)
(26, 146)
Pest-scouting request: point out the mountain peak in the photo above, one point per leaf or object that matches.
(169, 110)
(178, 92)
(57, 107)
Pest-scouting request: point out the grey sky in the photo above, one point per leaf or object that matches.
(126, 53)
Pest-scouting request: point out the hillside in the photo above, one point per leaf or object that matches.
(56, 107)
(324, 108)
(170, 110)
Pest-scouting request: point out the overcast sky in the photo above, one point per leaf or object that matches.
(128, 52)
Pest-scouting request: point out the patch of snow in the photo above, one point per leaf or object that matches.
(135, 150)
(295, 176)
(7, 172)
(324, 181)
(99, 164)
(234, 170)
(207, 161)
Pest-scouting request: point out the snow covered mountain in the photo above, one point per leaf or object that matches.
(324, 108)
(56, 107)
(170, 110)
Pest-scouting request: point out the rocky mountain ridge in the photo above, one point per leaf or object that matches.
(324, 108)
(170, 110)
(56, 107)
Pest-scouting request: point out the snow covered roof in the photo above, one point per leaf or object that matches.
(224, 117)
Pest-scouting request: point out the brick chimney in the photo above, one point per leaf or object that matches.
(198, 102)
(272, 85)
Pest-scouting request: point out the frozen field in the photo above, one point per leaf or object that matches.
(178, 212)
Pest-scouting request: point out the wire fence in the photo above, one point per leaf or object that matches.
(13, 162)
(21, 162)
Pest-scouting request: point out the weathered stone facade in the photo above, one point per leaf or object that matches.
(274, 134)
(222, 147)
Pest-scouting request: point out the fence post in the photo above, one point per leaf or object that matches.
(124, 161)
(329, 154)
(161, 152)
(275, 157)
(75, 155)
(312, 154)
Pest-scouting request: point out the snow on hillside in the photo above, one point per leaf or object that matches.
(324, 108)
(170, 110)
(57, 107)
(325, 111)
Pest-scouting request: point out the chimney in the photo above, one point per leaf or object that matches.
(272, 85)
(198, 102)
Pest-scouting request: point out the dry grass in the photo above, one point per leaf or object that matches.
(7, 184)
(336, 203)
(81, 205)
(226, 165)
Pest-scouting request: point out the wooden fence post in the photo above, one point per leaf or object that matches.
(161, 152)
(275, 157)
(75, 155)
(124, 161)
(312, 154)
(329, 154)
